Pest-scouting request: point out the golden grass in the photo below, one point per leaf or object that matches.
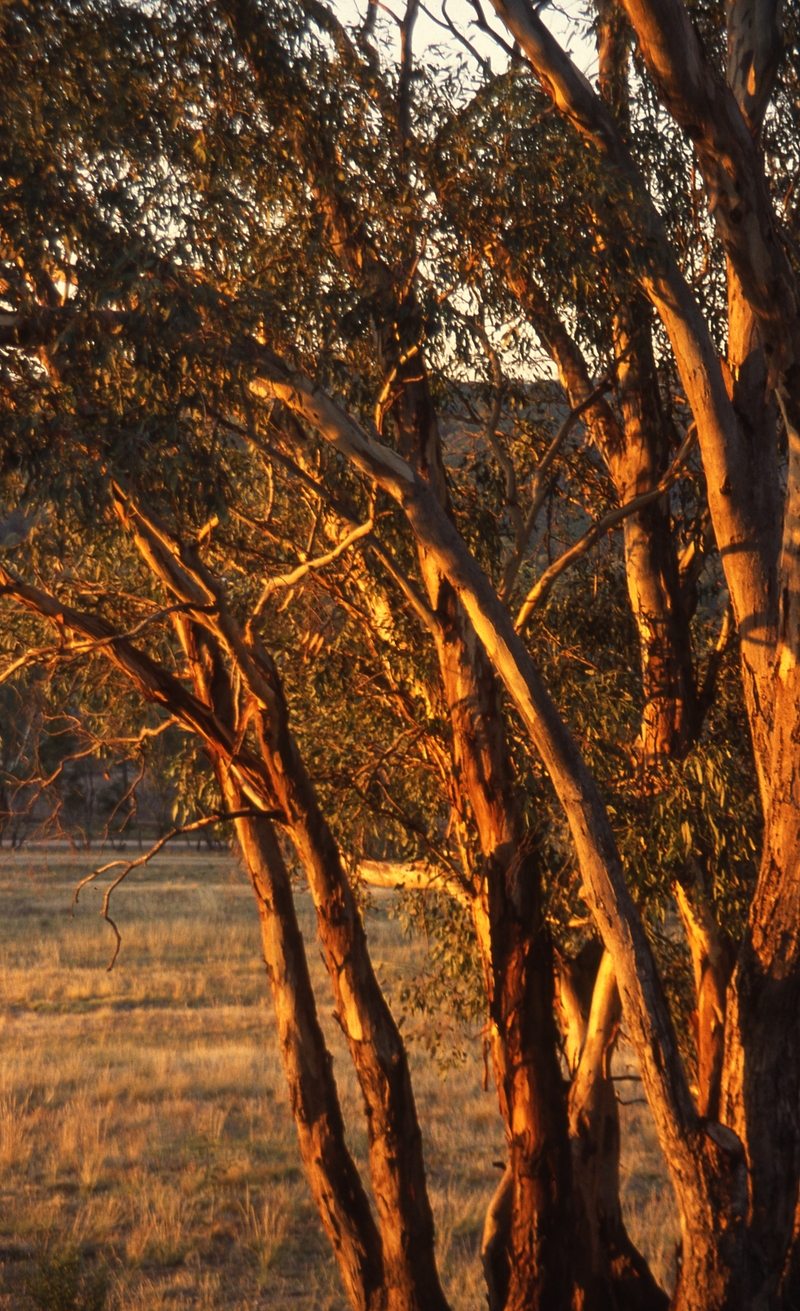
(143, 1117)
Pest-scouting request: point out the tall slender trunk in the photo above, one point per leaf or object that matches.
(669, 720)
(334, 1179)
(335, 1182)
(761, 1075)
(635, 452)
(536, 1263)
(620, 1277)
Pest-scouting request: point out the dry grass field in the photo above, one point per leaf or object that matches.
(147, 1153)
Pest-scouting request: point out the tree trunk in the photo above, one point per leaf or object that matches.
(335, 1182)
(514, 941)
(588, 1005)
(761, 1076)
(670, 699)
(712, 969)
(395, 1141)
(634, 452)
(334, 1178)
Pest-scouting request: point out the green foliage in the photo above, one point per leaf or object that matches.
(166, 207)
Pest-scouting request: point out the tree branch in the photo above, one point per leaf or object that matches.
(542, 587)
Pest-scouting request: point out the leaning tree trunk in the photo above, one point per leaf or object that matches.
(335, 1183)
(589, 1011)
(705, 1160)
(395, 1141)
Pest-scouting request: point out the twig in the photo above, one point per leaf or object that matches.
(726, 634)
(218, 818)
(484, 26)
(492, 436)
(449, 26)
(288, 580)
(407, 587)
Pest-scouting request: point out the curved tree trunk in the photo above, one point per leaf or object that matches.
(395, 1141)
(590, 1011)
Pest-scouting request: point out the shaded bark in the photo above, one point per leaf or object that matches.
(620, 1277)
(335, 1183)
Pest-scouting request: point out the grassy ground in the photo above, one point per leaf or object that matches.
(146, 1143)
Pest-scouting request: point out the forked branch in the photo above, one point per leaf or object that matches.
(218, 817)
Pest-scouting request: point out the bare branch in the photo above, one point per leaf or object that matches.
(541, 485)
(727, 633)
(406, 72)
(410, 591)
(481, 22)
(288, 580)
(413, 876)
(449, 26)
(218, 817)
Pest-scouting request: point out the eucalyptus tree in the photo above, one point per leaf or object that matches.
(268, 184)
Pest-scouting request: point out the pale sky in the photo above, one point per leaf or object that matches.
(566, 21)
